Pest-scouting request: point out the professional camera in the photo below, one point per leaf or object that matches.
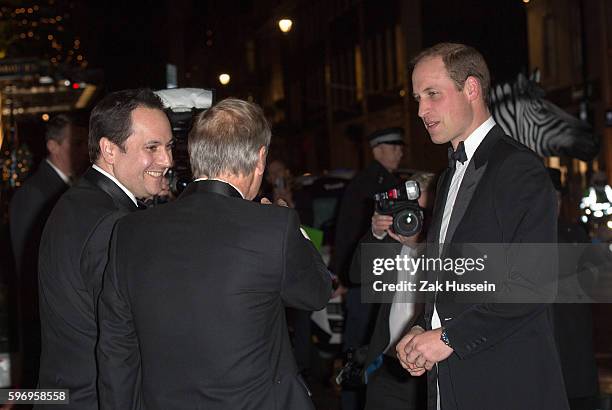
(401, 202)
(182, 105)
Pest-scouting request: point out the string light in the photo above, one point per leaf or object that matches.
(43, 22)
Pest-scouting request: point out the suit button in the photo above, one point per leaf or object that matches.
(278, 381)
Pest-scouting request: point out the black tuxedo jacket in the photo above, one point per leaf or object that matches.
(73, 253)
(504, 354)
(192, 315)
(29, 209)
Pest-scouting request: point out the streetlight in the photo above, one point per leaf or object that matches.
(285, 25)
(224, 79)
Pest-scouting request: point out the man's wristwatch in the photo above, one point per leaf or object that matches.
(444, 338)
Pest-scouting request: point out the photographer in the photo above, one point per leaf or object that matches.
(388, 384)
(353, 222)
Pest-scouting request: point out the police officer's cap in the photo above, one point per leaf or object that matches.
(394, 136)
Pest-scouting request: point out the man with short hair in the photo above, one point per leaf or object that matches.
(192, 314)
(130, 146)
(29, 209)
(32, 203)
(496, 191)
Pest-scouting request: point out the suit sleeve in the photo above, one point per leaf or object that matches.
(118, 351)
(95, 254)
(306, 282)
(525, 208)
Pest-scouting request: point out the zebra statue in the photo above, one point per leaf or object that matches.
(521, 110)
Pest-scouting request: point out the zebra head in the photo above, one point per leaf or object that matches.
(521, 110)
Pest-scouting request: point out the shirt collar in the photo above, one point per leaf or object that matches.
(217, 179)
(116, 181)
(472, 142)
(63, 176)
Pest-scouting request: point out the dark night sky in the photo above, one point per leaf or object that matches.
(123, 39)
(498, 29)
(130, 41)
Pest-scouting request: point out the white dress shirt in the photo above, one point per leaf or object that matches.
(471, 144)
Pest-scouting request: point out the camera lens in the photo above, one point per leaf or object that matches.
(407, 222)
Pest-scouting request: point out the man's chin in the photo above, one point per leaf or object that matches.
(438, 139)
(153, 191)
(151, 195)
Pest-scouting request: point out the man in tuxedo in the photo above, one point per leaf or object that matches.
(29, 209)
(483, 355)
(130, 146)
(192, 312)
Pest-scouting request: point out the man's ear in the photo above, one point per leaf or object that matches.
(108, 150)
(377, 152)
(261, 161)
(472, 88)
(53, 146)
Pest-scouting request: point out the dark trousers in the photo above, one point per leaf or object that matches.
(393, 388)
(358, 326)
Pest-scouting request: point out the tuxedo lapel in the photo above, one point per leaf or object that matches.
(433, 235)
(107, 185)
(464, 196)
(474, 172)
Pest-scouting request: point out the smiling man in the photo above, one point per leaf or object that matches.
(130, 146)
(202, 326)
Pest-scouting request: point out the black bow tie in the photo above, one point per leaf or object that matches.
(458, 155)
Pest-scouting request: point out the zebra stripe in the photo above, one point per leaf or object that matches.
(524, 114)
